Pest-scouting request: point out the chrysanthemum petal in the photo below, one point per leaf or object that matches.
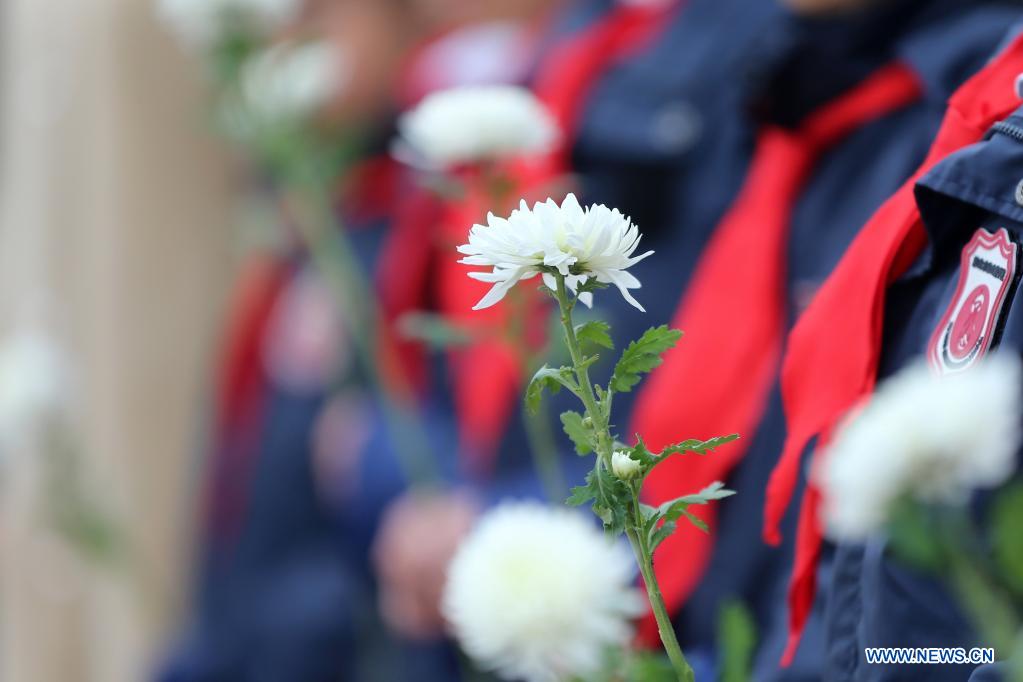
(574, 242)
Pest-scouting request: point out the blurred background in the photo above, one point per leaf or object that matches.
(132, 204)
(246, 412)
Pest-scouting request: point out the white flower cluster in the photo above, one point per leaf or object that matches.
(596, 242)
(199, 22)
(475, 123)
(291, 81)
(33, 385)
(539, 594)
(933, 438)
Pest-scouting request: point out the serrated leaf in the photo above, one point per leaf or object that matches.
(661, 534)
(714, 491)
(671, 511)
(610, 496)
(641, 453)
(604, 513)
(696, 520)
(581, 494)
(642, 356)
(699, 447)
(647, 511)
(590, 285)
(575, 427)
(550, 379)
(595, 332)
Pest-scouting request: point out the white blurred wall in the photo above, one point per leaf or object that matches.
(115, 226)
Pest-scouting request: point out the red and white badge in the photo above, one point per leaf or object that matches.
(986, 273)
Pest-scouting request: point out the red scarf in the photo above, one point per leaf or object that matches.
(734, 317)
(241, 389)
(832, 358)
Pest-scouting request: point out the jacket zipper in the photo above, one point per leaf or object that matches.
(1010, 129)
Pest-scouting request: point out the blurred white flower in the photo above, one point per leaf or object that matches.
(33, 385)
(291, 81)
(623, 466)
(933, 438)
(539, 594)
(475, 123)
(596, 242)
(199, 22)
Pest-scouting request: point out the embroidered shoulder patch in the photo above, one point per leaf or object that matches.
(987, 271)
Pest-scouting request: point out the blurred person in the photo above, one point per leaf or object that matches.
(668, 147)
(304, 459)
(847, 97)
(280, 595)
(933, 274)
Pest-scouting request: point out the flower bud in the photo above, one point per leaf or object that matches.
(625, 467)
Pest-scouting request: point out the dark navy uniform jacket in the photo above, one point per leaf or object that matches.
(667, 142)
(873, 599)
(292, 596)
(665, 138)
(803, 64)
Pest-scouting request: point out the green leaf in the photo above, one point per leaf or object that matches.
(611, 498)
(715, 491)
(641, 454)
(647, 511)
(550, 379)
(581, 494)
(696, 521)
(737, 635)
(700, 447)
(595, 332)
(642, 356)
(670, 512)
(1007, 526)
(579, 431)
(433, 330)
(589, 286)
(662, 533)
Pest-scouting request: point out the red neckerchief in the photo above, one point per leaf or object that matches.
(832, 357)
(241, 388)
(733, 314)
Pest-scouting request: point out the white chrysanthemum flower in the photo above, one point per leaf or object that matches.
(933, 438)
(199, 22)
(289, 82)
(596, 242)
(475, 123)
(539, 594)
(33, 384)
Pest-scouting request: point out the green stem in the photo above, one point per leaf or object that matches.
(665, 629)
(605, 445)
(542, 446)
(987, 605)
(332, 256)
(582, 374)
